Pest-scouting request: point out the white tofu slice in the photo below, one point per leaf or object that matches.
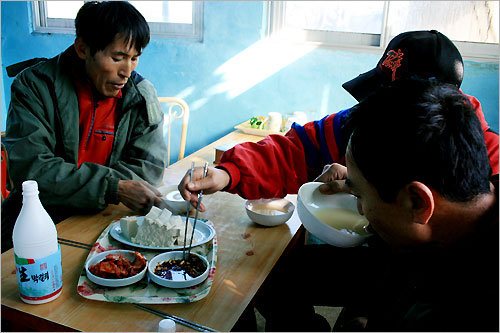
(164, 217)
(129, 226)
(154, 213)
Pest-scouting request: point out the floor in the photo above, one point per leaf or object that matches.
(330, 313)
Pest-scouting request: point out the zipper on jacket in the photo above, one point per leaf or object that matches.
(92, 123)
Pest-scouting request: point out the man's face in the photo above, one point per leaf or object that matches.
(110, 68)
(391, 221)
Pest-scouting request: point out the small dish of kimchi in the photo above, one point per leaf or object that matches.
(116, 268)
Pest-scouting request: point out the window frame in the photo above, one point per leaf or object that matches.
(43, 24)
(276, 22)
(374, 43)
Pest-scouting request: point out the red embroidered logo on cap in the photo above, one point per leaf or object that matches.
(393, 62)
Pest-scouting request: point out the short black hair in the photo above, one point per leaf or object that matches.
(420, 130)
(99, 23)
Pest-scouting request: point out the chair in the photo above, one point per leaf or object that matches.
(5, 179)
(184, 114)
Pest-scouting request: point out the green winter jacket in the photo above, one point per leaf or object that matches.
(42, 139)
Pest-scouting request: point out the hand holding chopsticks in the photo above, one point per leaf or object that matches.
(215, 180)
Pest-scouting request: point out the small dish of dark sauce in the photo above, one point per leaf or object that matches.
(180, 269)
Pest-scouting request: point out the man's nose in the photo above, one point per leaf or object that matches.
(126, 69)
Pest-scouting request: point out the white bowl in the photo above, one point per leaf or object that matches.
(130, 255)
(338, 209)
(173, 200)
(175, 283)
(269, 212)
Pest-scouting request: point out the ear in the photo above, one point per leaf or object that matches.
(82, 49)
(421, 201)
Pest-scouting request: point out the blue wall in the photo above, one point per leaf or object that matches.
(233, 74)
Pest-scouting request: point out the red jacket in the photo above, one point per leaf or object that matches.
(278, 165)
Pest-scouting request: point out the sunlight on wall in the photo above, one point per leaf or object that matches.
(255, 64)
(186, 92)
(199, 103)
(324, 100)
(248, 68)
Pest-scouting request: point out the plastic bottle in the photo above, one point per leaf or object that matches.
(166, 325)
(36, 251)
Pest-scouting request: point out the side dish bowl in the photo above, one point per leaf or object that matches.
(130, 255)
(173, 200)
(334, 219)
(183, 283)
(269, 212)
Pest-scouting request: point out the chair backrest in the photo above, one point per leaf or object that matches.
(173, 114)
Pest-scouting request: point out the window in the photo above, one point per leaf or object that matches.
(472, 25)
(166, 19)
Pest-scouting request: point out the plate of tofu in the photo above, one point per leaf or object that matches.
(160, 230)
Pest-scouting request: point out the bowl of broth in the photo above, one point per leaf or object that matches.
(332, 218)
(269, 212)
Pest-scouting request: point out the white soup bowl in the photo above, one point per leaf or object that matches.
(334, 218)
(269, 212)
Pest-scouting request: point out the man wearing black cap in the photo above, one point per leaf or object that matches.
(432, 264)
(279, 165)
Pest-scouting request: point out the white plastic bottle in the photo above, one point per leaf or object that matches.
(36, 251)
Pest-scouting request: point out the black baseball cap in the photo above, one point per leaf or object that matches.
(415, 53)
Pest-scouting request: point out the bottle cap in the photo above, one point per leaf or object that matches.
(166, 325)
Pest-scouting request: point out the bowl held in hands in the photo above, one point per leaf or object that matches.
(334, 218)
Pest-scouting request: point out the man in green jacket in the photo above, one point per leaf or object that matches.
(84, 124)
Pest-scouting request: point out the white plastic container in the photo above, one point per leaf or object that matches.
(166, 325)
(36, 251)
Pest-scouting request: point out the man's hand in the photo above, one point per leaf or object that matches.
(332, 172)
(215, 180)
(333, 176)
(138, 195)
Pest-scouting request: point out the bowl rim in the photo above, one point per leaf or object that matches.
(175, 284)
(175, 206)
(113, 282)
(170, 189)
(289, 205)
